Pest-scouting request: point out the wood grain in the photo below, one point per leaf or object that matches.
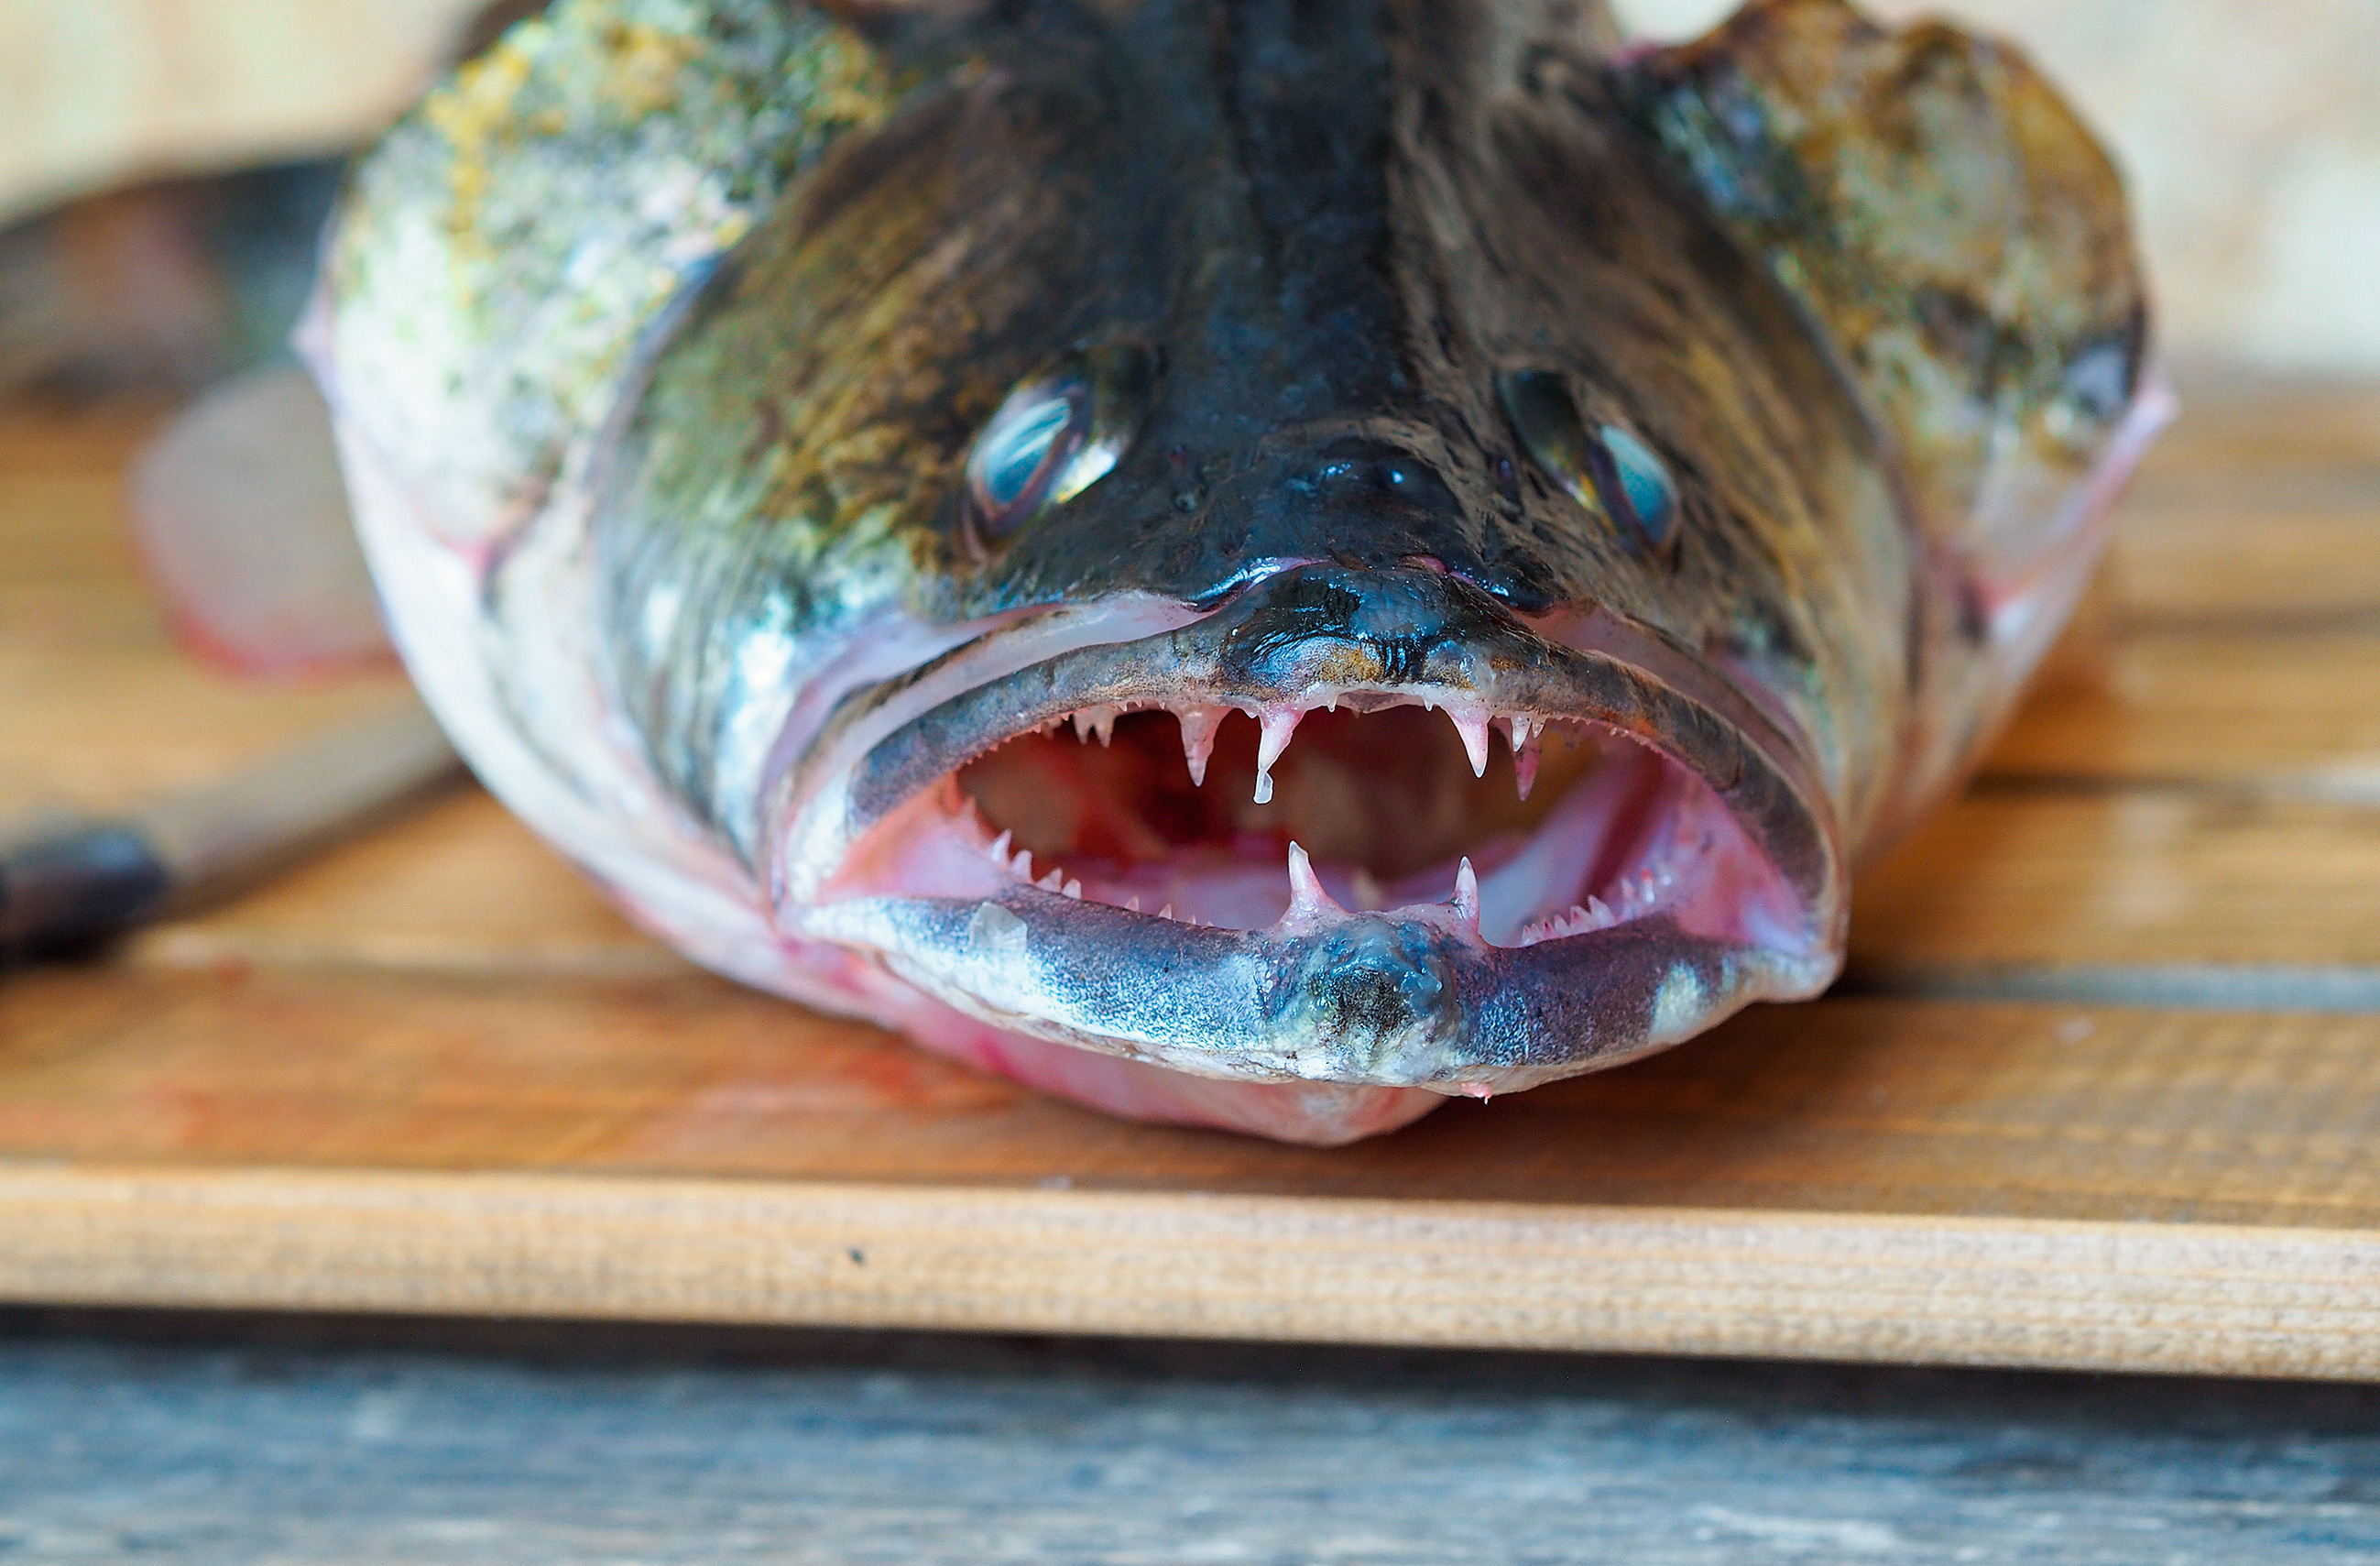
(1854, 1105)
(182, 1439)
(432, 1071)
(2202, 1297)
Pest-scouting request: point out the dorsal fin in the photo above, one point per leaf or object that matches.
(1951, 227)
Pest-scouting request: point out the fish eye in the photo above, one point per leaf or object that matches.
(1546, 421)
(1645, 487)
(1609, 471)
(1028, 442)
(1054, 436)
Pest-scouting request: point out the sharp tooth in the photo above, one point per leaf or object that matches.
(1106, 729)
(1074, 889)
(1051, 882)
(1527, 741)
(1306, 893)
(1131, 904)
(1369, 895)
(1023, 864)
(1601, 913)
(1165, 912)
(998, 852)
(1472, 731)
(1198, 726)
(1466, 894)
(1083, 722)
(1277, 726)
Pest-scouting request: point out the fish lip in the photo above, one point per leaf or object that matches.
(1496, 1017)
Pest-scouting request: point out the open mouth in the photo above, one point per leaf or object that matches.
(1412, 844)
(1217, 818)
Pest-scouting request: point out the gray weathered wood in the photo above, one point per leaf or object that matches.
(471, 1443)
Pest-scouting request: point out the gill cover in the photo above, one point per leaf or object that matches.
(1949, 227)
(502, 251)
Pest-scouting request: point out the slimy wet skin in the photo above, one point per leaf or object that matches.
(1248, 565)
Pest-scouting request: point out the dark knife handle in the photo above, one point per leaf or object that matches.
(69, 887)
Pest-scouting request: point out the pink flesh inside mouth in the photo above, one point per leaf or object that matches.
(1518, 828)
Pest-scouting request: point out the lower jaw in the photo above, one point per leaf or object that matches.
(1320, 1114)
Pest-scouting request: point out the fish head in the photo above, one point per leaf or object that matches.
(1274, 541)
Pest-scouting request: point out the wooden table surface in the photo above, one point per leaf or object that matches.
(2102, 1089)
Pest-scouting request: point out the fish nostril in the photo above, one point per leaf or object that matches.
(1375, 469)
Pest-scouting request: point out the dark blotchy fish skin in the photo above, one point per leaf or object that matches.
(904, 502)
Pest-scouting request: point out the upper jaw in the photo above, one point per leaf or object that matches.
(869, 852)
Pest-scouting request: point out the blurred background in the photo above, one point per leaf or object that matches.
(2250, 129)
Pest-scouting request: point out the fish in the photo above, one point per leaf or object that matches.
(1255, 564)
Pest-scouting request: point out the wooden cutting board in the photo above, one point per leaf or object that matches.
(2102, 1089)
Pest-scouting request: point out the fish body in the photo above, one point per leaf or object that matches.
(1246, 563)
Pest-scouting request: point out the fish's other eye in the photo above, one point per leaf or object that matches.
(1054, 436)
(1543, 415)
(1648, 493)
(1011, 471)
(1608, 470)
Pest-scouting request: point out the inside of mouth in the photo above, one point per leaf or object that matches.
(1569, 827)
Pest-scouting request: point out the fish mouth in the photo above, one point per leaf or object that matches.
(1361, 826)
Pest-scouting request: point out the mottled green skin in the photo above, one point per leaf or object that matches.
(503, 250)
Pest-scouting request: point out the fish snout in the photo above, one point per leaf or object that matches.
(1326, 626)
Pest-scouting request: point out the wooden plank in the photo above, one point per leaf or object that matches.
(457, 886)
(100, 705)
(193, 1442)
(2204, 1298)
(2233, 559)
(2017, 876)
(2260, 506)
(432, 1072)
(1869, 1105)
(101, 728)
(2294, 715)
